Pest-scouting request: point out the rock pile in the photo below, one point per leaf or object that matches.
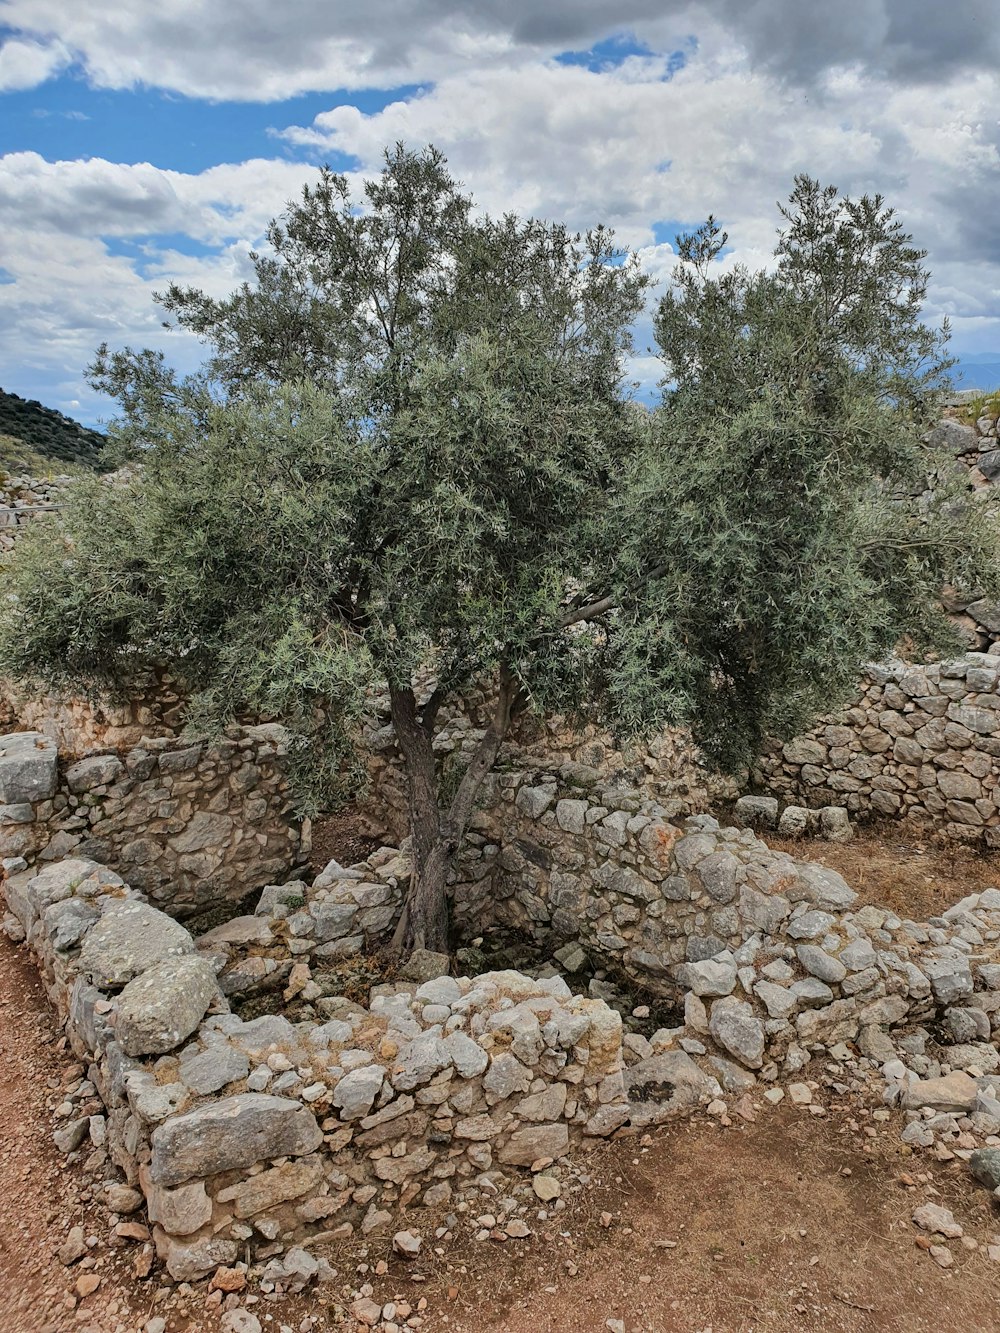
(23, 498)
(254, 1131)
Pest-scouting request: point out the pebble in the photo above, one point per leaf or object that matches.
(941, 1255)
(406, 1244)
(546, 1188)
(932, 1217)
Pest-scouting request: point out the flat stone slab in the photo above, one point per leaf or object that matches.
(127, 941)
(212, 1069)
(29, 768)
(230, 1135)
(163, 1006)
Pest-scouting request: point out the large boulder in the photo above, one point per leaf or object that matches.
(29, 768)
(163, 1006)
(127, 941)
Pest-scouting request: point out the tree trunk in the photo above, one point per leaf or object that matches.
(438, 835)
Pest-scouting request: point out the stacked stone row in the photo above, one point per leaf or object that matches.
(265, 1132)
(188, 823)
(920, 743)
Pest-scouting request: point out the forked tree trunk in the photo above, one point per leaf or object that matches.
(438, 833)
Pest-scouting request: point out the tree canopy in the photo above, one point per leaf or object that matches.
(412, 449)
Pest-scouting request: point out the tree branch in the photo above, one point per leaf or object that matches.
(597, 608)
(509, 699)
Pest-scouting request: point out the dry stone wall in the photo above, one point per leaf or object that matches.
(189, 823)
(24, 498)
(920, 743)
(266, 1131)
(80, 725)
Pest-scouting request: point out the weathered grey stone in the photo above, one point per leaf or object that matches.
(794, 821)
(418, 1061)
(212, 1069)
(356, 1091)
(952, 436)
(425, 965)
(812, 991)
(240, 930)
(505, 1076)
(664, 1084)
(180, 1211)
(835, 824)
(528, 1144)
(29, 768)
(534, 801)
(545, 1105)
(128, 940)
(204, 829)
(230, 1134)
(95, 771)
(778, 1000)
(765, 911)
(985, 1166)
(809, 925)
(467, 1055)
(820, 964)
(820, 886)
(950, 976)
(66, 922)
(756, 811)
(717, 874)
(734, 1026)
(570, 815)
(189, 1260)
(268, 1189)
(712, 976)
(164, 1005)
(804, 750)
(954, 1092)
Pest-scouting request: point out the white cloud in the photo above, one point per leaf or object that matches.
(256, 50)
(25, 64)
(632, 144)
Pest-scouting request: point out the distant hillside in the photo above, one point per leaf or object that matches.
(47, 433)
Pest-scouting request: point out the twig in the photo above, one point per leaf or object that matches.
(868, 1309)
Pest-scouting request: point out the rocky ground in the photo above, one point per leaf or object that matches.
(757, 1217)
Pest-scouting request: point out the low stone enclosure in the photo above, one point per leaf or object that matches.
(267, 1133)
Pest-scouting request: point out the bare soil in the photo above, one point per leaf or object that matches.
(347, 836)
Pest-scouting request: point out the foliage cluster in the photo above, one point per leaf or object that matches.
(412, 446)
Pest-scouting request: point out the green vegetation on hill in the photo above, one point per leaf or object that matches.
(45, 434)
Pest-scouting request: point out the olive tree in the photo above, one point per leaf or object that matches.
(411, 457)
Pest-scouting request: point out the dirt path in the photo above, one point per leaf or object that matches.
(793, 1224)
(39, 1197)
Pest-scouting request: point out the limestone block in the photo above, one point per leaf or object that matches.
(231, 1134)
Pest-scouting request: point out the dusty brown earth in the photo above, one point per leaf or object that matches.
(794, 1222)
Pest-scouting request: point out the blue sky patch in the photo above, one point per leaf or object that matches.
(65, 118)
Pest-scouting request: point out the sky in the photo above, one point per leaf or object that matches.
(146, 142)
